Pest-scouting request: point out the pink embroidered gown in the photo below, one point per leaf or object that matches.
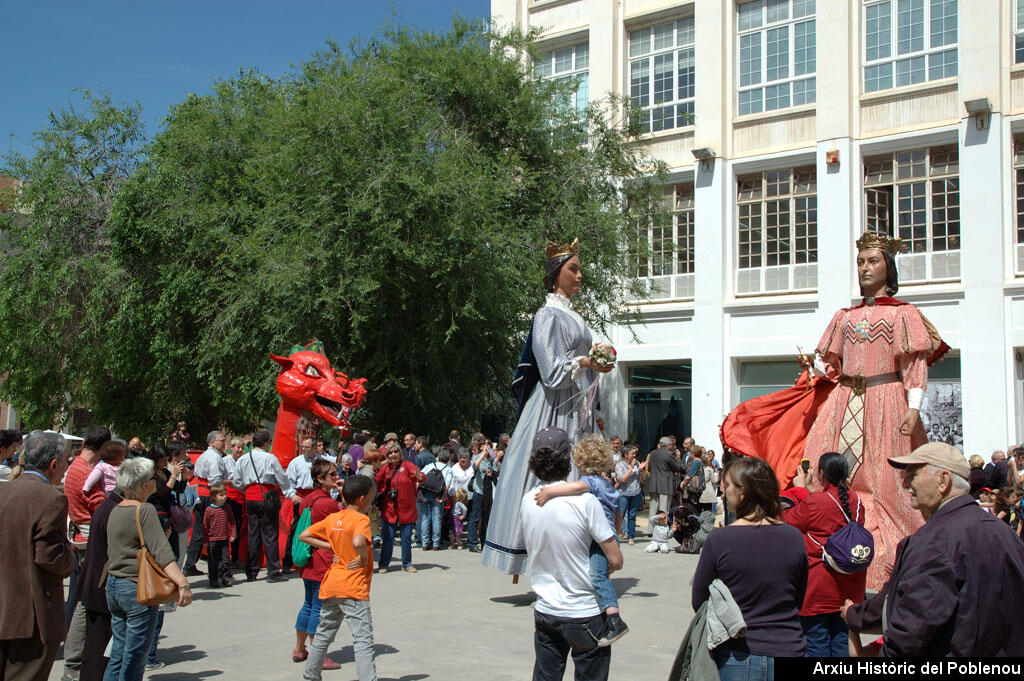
(871, 340)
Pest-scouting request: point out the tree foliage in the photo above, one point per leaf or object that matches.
(392, 200)
(57, 276)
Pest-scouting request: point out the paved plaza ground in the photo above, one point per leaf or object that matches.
(452, 620)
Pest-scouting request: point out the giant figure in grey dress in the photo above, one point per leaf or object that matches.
(560, 336)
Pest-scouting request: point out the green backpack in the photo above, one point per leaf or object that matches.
(301, 551)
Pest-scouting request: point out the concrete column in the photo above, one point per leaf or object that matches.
(987, 419)
(713, 220)
(603, 54)
(839, 224)
(984, 158)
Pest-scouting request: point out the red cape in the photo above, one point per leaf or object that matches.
(774, 427)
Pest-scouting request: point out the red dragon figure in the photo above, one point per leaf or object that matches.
(311, 392)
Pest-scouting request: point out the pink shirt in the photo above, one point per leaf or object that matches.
(104, 472)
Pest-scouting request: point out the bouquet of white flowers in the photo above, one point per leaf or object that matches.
(603, 354)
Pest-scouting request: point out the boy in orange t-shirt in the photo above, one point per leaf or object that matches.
(345, 589)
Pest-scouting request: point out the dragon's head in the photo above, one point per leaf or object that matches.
(307, 382)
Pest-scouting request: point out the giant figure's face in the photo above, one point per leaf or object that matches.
(569, 277)
(871, 271)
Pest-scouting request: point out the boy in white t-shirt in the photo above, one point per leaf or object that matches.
(557, 537)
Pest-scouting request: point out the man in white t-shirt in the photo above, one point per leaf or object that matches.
(557, 538)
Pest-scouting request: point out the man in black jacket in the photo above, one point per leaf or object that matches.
(949, 577)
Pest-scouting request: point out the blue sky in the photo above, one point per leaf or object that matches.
(157, 51)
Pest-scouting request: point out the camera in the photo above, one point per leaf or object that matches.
(392, 494)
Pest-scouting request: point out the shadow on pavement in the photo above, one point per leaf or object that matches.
(429, 566)
(212, 595)
(624, 584)
(407, 677)
(347, 654)
(516, 600)
(185, 676)
(183, 653)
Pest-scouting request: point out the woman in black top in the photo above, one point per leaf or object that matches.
(764, 564)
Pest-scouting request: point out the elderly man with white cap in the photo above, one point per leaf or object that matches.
(949, 577)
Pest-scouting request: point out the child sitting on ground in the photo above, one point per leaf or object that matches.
(218, 533)
(345, 589)
(105, 471)
(593, 458)
(660, 532)
(458, 517)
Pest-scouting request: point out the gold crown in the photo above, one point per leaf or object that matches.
(882, 242)
(554, 250)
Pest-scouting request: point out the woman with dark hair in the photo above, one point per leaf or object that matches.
(819, 515)
(10, 441)
(763, 563)
(555, 387)
(320, 504)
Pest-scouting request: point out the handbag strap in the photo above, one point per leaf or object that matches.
(138, 526)
(845, 517)
(259, 479)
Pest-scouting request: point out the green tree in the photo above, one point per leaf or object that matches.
(57, 277)
(392, 200)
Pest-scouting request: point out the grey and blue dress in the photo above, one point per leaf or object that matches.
(562, 398)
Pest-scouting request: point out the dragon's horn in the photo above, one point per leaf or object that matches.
(283, 361)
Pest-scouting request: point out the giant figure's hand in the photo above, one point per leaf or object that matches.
(910, 420)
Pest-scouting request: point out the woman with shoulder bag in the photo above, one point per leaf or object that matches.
(131, 523)
(818, 516)
(627, 479)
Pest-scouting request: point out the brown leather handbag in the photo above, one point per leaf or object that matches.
(155, 587)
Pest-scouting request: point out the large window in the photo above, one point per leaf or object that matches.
(659, 403)
(1018, 176)
(1018, 33)
(915, 195)
(568, 64)
(762, 378)
(777, 231)
(661, 74)
(668, 267)
(908, 42)
(777, 57)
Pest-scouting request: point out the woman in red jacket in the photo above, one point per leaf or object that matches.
(320, 505)
(397, 481)
(818, 516)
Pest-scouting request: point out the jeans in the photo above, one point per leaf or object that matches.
(151, 657)
(603, 589)
(309, 614)
(735, 666)
(387, 543)
(476, 505)
(827, 635)
(357, 615)
(132, 627)
(430, 522)
(629, 506)
(555, 637)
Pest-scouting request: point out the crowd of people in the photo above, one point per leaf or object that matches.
(764, 560)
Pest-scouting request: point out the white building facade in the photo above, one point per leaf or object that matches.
(818, 118)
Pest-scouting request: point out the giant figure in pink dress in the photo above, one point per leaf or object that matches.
(865, 406)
